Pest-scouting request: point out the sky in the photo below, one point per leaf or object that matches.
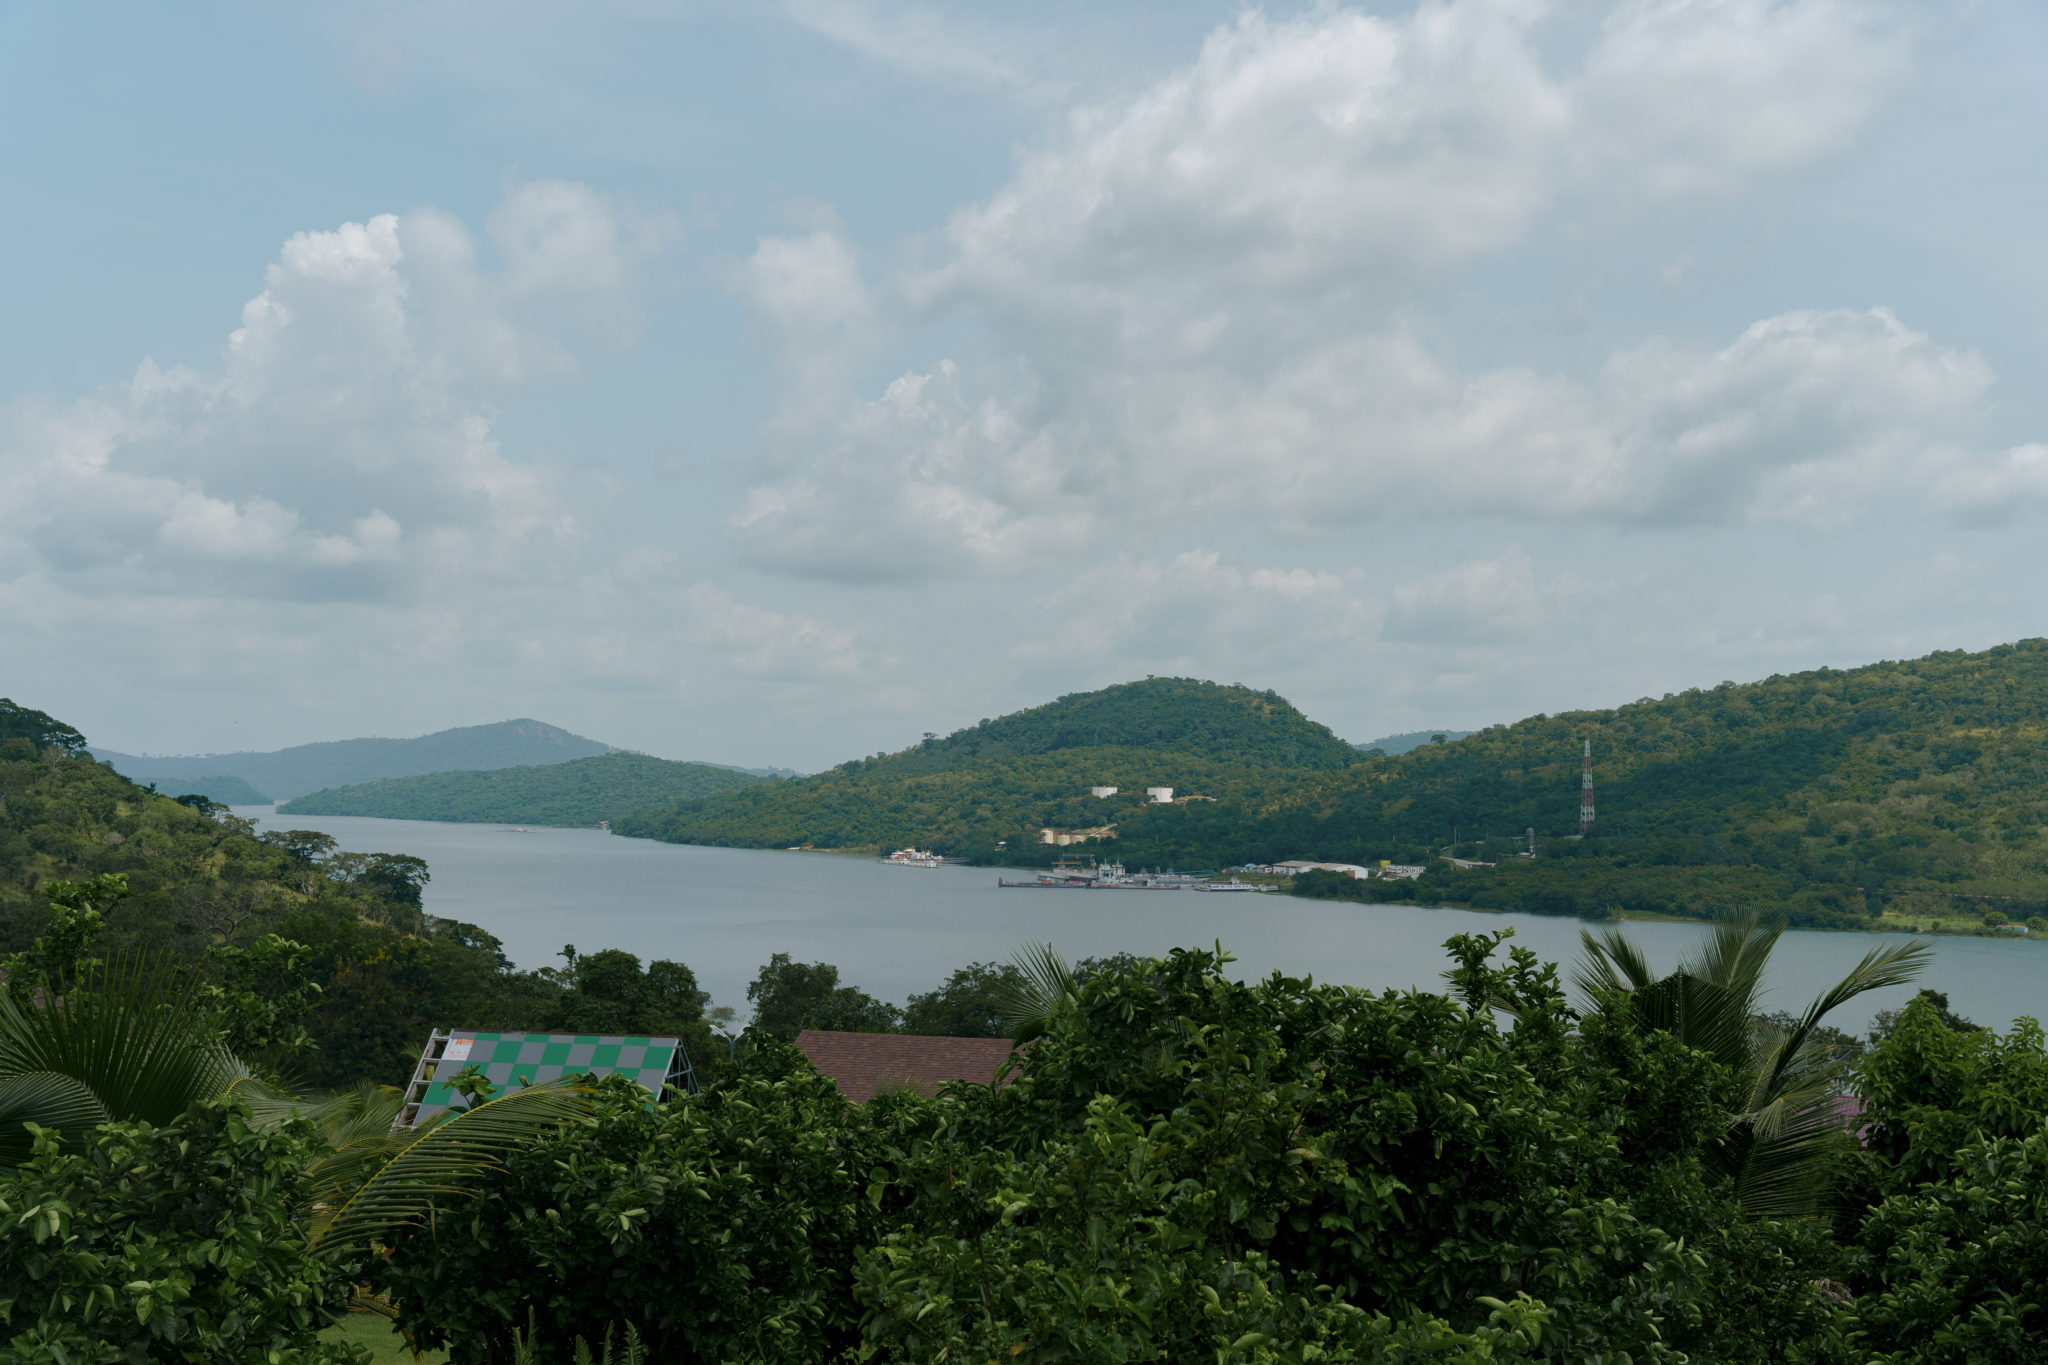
(773, 383)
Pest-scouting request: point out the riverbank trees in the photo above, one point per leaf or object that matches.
(1183, 1166)
(1190, 1167)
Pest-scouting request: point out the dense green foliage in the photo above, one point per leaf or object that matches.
(723, 1228)
(286, 773)
(1168, 715)
(39, 730)
(1183, 1167)
(581, 792)
(182, 1242)
(1915, 786)
(1192, 1168)
(789, 997)
(210, 890)
(1950, 1229)
(974, 1002)
(985, 792)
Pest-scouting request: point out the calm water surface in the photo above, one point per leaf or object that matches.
(893, 931)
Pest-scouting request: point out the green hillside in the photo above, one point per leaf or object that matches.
(1900, 794)
(581, 792)
(994, 785)
(206, 887)
(287, 773)
(1917, 790)
(1174, 715)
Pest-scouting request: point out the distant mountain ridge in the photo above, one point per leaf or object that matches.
(288, 773)
(582, 791)
(1391, 745)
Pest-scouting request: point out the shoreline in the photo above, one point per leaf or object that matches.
(1938, 927)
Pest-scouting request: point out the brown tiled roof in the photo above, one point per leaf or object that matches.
(863, 1063)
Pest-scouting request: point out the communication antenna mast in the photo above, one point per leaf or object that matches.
(1586, 789)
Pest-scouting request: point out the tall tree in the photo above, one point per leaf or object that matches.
(789, 997)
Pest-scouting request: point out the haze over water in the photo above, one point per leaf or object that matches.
(894, 931)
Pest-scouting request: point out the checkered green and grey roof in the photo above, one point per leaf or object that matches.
(508, 1059)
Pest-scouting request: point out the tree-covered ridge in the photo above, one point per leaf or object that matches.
(1174, 715)
(990, 810)
(581, 792)
(1914, 791)
(208, 888)
(40, 729)
(985, 792)
(287, 773)
(1918, 785)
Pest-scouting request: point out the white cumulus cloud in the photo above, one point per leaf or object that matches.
(1206, 300)
(342, 445)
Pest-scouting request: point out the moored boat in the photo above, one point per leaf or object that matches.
(910, 857)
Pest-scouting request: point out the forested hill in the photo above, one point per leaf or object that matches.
(1176, 715)
(993, 785)
(1914, 791)
(582, 792)
(1919, 786)
(286, 773)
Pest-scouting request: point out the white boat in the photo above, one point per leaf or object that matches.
(1232, 885)
(910, 857)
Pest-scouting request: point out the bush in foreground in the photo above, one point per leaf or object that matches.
(185, 1242)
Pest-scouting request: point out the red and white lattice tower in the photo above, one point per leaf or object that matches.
(1586, 789)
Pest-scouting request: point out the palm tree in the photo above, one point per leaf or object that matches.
(1046, 994)
(1788, 1124)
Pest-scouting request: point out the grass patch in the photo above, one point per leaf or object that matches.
(386, 1346)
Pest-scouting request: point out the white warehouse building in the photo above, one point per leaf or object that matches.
(1160, 795)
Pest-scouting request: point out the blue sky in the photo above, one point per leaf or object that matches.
(773, 383)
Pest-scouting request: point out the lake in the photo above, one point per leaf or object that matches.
(893, 931)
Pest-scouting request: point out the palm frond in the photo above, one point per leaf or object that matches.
(1782, 1162)
(1734, 956)
(356, 1138)
(50, 1100)
(1047, 992)
(1780, 1144)
(447, 1162)
(1613, 962)
(1893, 964)
(1701, 1015)
(131, 1032)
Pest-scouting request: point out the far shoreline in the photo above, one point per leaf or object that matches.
(1885, 926)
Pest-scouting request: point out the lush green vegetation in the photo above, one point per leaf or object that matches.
(1910, 794)
(303, 768)
(985, 792)
(1917, 790)
(209, 889)
(1183, 1166)
(580, 792)
(1189, 1168)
